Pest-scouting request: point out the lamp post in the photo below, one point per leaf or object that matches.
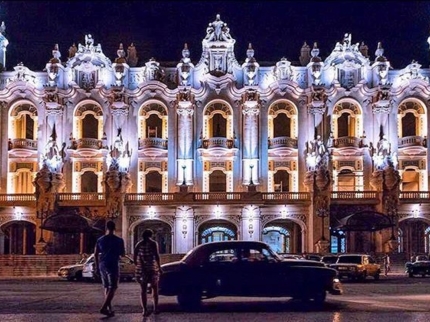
(322, 213)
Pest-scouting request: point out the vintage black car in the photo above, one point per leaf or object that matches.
(245, 268)
(419, 265)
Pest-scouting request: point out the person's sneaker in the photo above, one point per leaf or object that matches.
(146, 313)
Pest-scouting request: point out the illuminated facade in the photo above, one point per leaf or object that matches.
(323, 155)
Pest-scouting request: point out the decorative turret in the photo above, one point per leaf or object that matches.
(88, 65)
(185, 67)
(315, 66)
(54, 67)
(153, 71)
(380, 67)
(120, 66)
(250, 68)
(218, 48)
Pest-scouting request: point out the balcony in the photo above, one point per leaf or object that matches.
(217, 142)
(26, 144)
(347, 142)
(153, 143)
(86, 143)
(283, 142)
(355, 197)
(409, 141)
(94, 199)
(81, 199)
(414, 197)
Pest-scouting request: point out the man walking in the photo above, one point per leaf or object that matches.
(387, 263)
(109, 248)
(148, 269)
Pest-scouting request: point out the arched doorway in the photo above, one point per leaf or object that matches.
(283, 236)
(415, 236)
(216, 230)
(19, 237)
(162, 234)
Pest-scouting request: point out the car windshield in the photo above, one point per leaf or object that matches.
(349, 259)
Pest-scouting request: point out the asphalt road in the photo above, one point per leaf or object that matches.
(393, 298)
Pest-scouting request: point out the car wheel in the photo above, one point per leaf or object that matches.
(78, 276)
(376, 277)
(363, 276)
(190, 300)
(319, 297)
(70, 278)
(411, 274)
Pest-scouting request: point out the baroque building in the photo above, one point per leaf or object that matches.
(323, 155)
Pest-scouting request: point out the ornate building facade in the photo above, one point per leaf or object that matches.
(324, 155)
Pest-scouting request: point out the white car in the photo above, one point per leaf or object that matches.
(126, 264)
(72, 272)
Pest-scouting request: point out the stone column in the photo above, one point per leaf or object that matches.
(24, 240)
(185, 112)
(250, 141)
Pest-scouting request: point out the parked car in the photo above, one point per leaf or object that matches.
(127, 269)
(329, 259)
(73, 271)
(250, 269)
(290, 256)
(419, 265)
(357, 266)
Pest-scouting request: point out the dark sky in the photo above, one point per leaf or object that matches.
(159, 29)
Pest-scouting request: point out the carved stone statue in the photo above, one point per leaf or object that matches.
(72, 50)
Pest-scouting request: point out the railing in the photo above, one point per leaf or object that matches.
(150, 196)
(347, 141)
(158, 143)
(99, 199)
(218, 142)
(23, 144)
(82, 196)
(354, 195)
(87, 143)
(288, 196)
(415, 195)
(22, 197)
(283, 142)
(217, 196)
(411, 141)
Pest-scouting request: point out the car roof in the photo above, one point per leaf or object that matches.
(232, 243)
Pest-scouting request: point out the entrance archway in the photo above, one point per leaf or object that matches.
(216, 230)
(19, 237)
(283, 236)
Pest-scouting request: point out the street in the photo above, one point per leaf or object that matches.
(392, 298)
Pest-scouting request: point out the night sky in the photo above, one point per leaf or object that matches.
(159, 29)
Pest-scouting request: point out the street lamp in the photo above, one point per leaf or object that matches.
(322, 213)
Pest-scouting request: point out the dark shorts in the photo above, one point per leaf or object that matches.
(109, 278)
(148, 276)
